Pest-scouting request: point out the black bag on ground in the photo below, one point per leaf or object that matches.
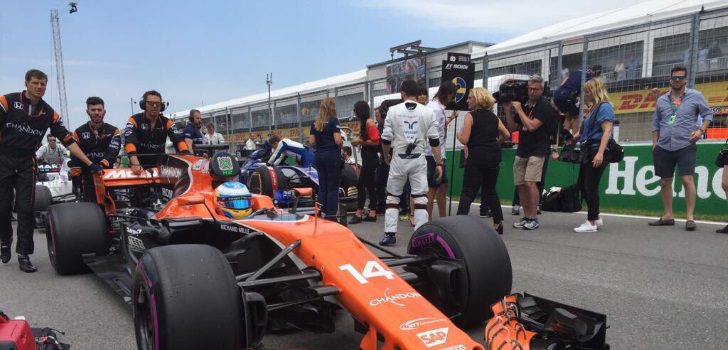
(570, 199)
(551, 201)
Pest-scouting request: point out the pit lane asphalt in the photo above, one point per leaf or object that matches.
(660, 287)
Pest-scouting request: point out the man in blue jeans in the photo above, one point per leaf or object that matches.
(676, 127)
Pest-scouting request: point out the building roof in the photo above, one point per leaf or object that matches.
(639, 13)
(291, 91)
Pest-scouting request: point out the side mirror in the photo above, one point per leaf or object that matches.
(191, 199)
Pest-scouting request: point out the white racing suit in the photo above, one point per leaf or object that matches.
(409, 128)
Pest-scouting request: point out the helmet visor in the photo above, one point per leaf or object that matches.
(237, 203)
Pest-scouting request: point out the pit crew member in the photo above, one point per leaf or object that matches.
(409, 125)
(147, 132)
(287, 147)
(100, 142)
(24, 119)
(192, 133)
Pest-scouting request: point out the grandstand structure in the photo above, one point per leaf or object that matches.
(636, 46)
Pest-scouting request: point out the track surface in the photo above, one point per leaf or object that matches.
(661, 288)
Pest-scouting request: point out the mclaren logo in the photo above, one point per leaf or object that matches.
(123, 174)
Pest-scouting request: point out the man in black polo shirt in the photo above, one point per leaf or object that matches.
(532, 121)
(24, 119)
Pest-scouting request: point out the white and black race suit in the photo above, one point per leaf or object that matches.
(409, 128)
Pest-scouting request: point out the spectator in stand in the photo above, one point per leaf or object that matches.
(532, 120)
(369, 141)
(595, 133)
(675, 131)
(482, 132)
(325, 136)
(620, 70)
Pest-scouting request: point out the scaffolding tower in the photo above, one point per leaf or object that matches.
(58, 51)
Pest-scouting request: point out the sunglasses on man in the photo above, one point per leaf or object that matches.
(678, 77)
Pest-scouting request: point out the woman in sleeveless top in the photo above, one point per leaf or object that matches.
(481, 135)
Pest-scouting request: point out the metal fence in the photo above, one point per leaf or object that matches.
(635, 63)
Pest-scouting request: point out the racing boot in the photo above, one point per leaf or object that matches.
(388, 239)
(5, 252)
(25, 264)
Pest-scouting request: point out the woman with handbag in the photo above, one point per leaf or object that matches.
(482, 132)
(596, 130)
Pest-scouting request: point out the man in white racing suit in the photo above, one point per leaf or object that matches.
(51, 153)
(408, 129)
(288, 147)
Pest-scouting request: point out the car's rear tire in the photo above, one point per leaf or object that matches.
(185, 297)
(43, 198)
(266, 179)
(486, 276)
(74, 229)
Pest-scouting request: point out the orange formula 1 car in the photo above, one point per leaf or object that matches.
(199, 280)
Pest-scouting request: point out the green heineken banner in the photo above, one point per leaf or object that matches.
(628, 185)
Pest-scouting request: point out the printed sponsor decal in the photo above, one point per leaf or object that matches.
(199, 164)
(394, 299)
(226, 165)
(235, 228)
(455, 347)
(124, 174)
(25, 129)
(419, 322)
(627, 178)
(434, 337)
(172, 172)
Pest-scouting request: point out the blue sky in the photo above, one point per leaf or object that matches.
(204, 52)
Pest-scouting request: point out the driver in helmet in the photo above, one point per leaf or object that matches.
(233, 200)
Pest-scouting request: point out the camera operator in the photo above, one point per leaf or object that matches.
(532, 121)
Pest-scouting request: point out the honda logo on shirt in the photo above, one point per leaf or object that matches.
(18, 105)
(86, 135)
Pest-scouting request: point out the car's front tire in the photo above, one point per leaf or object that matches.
(185, 297)
(485, 275)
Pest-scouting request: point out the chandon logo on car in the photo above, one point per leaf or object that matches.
(418, 322)
(395, 299)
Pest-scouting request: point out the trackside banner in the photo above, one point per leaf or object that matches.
(630, 184)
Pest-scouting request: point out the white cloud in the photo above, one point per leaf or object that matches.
(510, 17)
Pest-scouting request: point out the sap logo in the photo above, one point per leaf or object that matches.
(411, 124)
(434, 337)
(395, 299)
(418, 322)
